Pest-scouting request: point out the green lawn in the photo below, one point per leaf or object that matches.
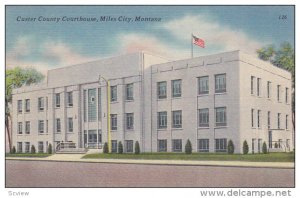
(271, 157)
(27, 155)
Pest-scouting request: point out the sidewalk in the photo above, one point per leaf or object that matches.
(77, 158)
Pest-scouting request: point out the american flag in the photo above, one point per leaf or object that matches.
(198, 41)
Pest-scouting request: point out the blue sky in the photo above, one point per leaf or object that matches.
(46, 45)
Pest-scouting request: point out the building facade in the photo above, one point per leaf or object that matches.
(159, 103)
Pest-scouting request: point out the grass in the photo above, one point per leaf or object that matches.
(271, 157)
(27, 155)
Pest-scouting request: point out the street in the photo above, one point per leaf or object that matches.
(76, 174)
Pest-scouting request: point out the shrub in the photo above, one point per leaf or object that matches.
(230, 148)
(276, 145)
(32, 149)
(50, 149)
(245, 147)
(120, 147)
(13, 150)
(264, 148)
(105, 148)
(137, 148)
(188, 147)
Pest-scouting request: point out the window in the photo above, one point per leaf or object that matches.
(84, 105)
(41, 104)
(40, 147)
(286, 95)
(114, 146)
(269, 119)
(253, 145)
(252, 84)
(176, 88)
(220, 83)
(129, 146)
(162, 120)
(46, 126)
(113, 93)
(162, 145)
(203, 145)
(286, 122)
(70, 99)
(58, 126)
(278, 120)
(269, 89)
(92, 105)
(278, 92)
(113, 121)
(203, 85)
(221, 145)
(129, 91)
(162, 90)
(19, 106)
(280, 143)
(20, 127)
(177, 145)
(27, 105)
(221, 116)
(57, 100)
(70, 124)
(41, 126)
(258, 86)
(129, 121)
(99, 104)
(27, 147)
(19, 147)
(204, 117)
(252, 118)
(177, 119)
(259, 145)
(27, 127)
(258, 118)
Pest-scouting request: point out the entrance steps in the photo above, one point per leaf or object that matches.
(72, 150)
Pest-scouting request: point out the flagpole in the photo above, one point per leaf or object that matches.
(192, 46)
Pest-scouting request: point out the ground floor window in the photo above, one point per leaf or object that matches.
(253, 145)
(177, 145)
(203, 145)
(19, 147)
(40, 147)
(221, 145)
(162, 145)
(114, 146)
(27, 147)
(129, 146)
(259, 145)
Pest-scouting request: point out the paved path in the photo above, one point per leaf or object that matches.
(77, 158)
(70, 174)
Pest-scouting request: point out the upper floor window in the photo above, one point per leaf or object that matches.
(176, 88)
(268, 89)
(20, 127)
(27, 127)
(70, 99)
(252, 117)
(41, 103)
(41, 126)
(113, 92)
(278, 92)
(27, 105)
(129, 91)
(258, 118)
(20, 106)
(221, 119)
(162, 90)
(286, 122)
(278, 120)
(57, 100)
(252, 84)
(204, 117)
(129, 121)
(258, 86)
(269, 119)
(162, 120)
(220, 83)
(286, 95)
(203, 85)
(114, 121)
(70, 124)
(58, 125)
(177, 119)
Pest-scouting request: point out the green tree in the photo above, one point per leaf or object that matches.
(245, 147)
(264, 148)
(15, 78)
(105, 148)
(283, 57)
(230, 147)
(32, 149)
(188, 147)
(120, 147)
(13, 150)
(137, 148)
(50, 149)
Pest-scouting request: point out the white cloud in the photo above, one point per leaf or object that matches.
(215, 34)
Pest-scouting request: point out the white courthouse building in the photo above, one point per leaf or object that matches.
(159, 103)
